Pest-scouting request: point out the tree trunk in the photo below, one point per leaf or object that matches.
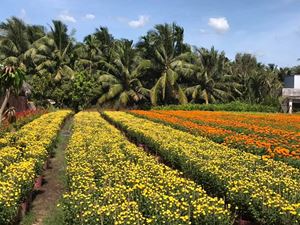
(206, 97)
(7, 94)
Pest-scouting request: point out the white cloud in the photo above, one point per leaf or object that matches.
(220, 24)
(66, 17)
(142, 20)
(23, 13)
(90, 16)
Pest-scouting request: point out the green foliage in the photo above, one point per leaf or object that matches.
(210, 79)
(11, 78)
(232, 106)
(84, 91)
(120, 77)
(51, 53)
(166, 48)
(14, 42)
(79, 93)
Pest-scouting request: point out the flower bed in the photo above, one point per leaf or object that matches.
(266, 191)
(278, 143)
(22, 158)
(111, 181)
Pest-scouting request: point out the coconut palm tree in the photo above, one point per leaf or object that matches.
(210, 80)
(244, 68)
(105, 40)
(88, 54)
(120, 80)
(14, 42)
(35, 32)
(165, 47)
(51, 53)
(264, 84)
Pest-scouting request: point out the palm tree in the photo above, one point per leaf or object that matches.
(51, 53)
(165, 47)
(210, 78)
(88, 54)
(244, 68)
(120, 81)
(265, 85)
(14, 42)
(105, 40)
(35, 32)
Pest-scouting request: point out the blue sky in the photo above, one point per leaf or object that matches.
(269, 29)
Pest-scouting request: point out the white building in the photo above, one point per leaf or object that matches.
(291, 92)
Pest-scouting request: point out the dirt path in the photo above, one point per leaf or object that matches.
(53, 186)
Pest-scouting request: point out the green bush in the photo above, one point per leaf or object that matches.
(232, 106)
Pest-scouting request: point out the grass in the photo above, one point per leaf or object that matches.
(28, 219)
(55, 216)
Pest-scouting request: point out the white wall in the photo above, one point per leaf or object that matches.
(297, 81)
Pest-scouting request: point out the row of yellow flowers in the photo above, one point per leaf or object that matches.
(22, 155)
(111, 181)
(266, 191)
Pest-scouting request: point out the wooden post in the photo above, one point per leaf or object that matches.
(290, 105)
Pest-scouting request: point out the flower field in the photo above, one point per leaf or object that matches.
(265, 191)
(111, 181)
(22, 155)
(269, 135)
(156, 167)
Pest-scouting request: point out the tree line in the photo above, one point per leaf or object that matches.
(159, 69)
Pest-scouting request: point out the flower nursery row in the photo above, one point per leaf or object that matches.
(267, 142)
(275, 120)
(265, 191)
(22, 155)
(112, 181)
(232, 122)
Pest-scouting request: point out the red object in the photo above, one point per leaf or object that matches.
(38, 182)
(28, 113)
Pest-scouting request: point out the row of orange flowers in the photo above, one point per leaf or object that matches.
(267, 145)
(279, 137)
(279, 120)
